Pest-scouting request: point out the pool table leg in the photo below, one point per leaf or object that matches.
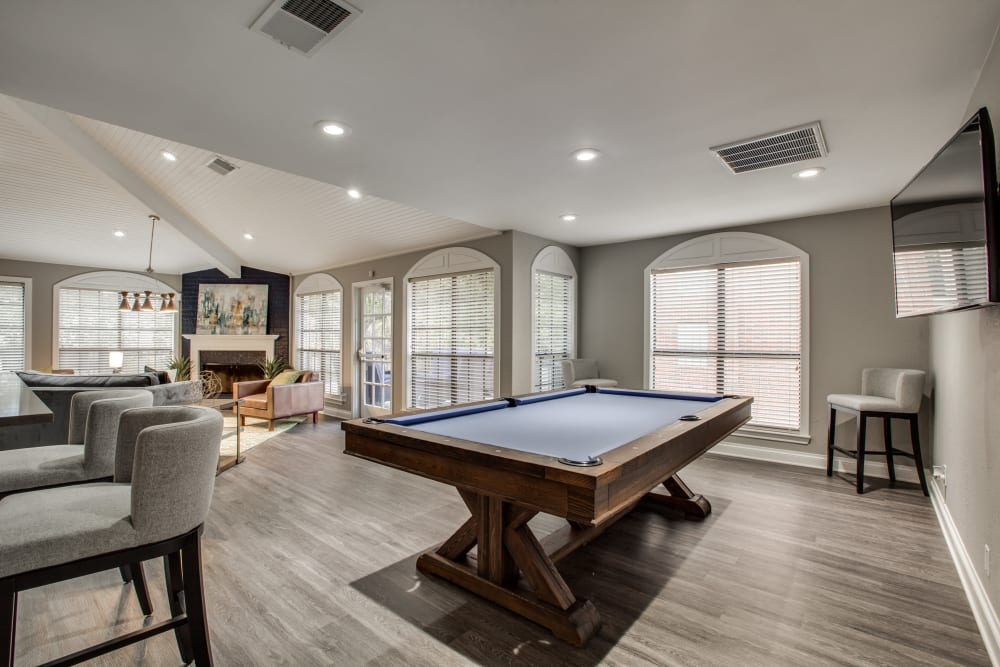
(694, 505)
(505, 549)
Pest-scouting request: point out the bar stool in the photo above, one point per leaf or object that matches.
(889, 393)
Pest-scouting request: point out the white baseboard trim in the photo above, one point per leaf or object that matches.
(337, 413)
(979, 600)
(873, 466)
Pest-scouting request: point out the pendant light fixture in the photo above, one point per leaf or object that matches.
(167, 303)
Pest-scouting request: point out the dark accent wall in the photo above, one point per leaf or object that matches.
(278, 295)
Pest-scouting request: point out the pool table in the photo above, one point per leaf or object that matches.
(589, 455)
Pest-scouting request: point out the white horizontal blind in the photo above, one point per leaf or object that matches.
(553, 296)
(319, 337)
(90, 326)
(935, 279)
(12, 327)
(451, 342)
(731, 329)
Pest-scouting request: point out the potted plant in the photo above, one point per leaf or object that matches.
(183, 367)
(272, 367)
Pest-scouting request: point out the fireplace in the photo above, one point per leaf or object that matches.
(232, 358)
(233, 366)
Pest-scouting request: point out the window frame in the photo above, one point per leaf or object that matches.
(553, 260)
(26, 283)
(724, 248)
(449, 262)
(318, 283)
(116, 281)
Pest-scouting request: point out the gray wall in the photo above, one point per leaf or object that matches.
(513, 251)
(43, 278)
(965, 361)
(852, 322)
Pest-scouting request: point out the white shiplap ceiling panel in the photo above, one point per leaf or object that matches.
(55, 209)
(298, 224)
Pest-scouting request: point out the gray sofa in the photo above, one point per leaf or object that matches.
(59, 391)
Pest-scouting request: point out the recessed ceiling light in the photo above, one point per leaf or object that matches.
(568, 217)
(354, 194)
(167, 155)
(248, 236)
(119, 233)
(334, 128)
(812, 172)
(586, 154)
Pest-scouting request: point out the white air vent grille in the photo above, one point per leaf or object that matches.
(774, 149)
(304, 25)
(220, 166)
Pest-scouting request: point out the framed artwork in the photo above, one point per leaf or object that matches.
(232, 309)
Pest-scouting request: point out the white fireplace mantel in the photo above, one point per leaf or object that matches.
(248, 343)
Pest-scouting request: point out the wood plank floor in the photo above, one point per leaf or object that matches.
(310, 561)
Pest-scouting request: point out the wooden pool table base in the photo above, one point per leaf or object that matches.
(515, 570)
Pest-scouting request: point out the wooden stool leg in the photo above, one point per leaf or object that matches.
(862, 424)
(194, 601)
(175, 596)
(830, 434)
(887, 436)
(8, 622)
(918, 458)
(141, 590)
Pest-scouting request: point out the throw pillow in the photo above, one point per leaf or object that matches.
(162, 376)
(287, 377)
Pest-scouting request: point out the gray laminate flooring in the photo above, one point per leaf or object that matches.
(310, 561)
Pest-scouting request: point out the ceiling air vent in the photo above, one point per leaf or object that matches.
(220, 166)
(304, 25)
(773, 149)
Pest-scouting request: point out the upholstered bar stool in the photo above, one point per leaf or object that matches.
(582, 372)
(889, 393)
(156, 506)
(89, 457)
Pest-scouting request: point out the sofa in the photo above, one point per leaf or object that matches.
(272, 399)
(56, 391)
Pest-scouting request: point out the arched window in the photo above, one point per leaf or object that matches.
(88, 324)
(553, 316)
(319, 329)
(727, 314)
(452, 325)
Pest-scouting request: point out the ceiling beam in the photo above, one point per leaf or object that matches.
(56, 126)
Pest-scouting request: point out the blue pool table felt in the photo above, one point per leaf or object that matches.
(575, 426)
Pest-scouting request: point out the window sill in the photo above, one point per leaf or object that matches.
(772, 435)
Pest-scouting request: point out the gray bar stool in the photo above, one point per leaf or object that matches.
(889, 393)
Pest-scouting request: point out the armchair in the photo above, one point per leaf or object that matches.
(265, 400)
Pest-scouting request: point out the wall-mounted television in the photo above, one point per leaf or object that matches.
(945, 236)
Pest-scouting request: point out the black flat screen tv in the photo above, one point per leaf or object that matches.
(945, 236)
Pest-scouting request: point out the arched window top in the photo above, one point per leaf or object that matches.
(318, 282)
(725, 248)
(451, 260)
(116, 281)
(554, 259)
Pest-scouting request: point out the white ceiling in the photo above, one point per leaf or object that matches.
(469, 110)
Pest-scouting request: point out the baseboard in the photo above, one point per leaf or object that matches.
(336, 413)
(873, 467)
(982, 608)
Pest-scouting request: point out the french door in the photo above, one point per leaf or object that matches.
(374, 318)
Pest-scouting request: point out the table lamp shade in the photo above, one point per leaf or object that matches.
(116, 359)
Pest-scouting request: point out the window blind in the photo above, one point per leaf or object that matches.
(451, 353)
(731, 329)
(12, 327)
(90, 326)
(553, 305)
(319, 337)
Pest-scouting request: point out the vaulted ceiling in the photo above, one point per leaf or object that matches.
(463, 118)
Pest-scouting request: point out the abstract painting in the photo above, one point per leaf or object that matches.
(232, 309)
